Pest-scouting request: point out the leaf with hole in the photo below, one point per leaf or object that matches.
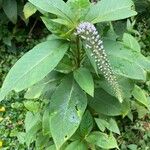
(68, 104)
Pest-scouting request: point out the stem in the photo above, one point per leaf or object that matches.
(32, 27)
(78, 51)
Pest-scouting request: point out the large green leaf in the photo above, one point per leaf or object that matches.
(10, 8)
(57, 7)
(110, 10)
(140, 96)
(126, 62)
(77, 145)
(102, 140)
(127, 68)
(68, 104)
(126, 86)
(85, 80)
(34, 66)
(79, 7)
(104, 103)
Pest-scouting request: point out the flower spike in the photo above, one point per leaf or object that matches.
(88, 32)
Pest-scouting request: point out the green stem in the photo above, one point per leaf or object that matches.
(78, 52)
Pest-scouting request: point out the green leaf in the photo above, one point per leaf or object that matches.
(57, 27)
(45, 122)
(108, 123)
(1, 1)
(61, 21)
(10, 8)
(126, 86)
(68, 104)
(77, 145)
(92, 60)
(102, 140)
(32, 106)
(31, 134)
(45, 87)
(8, 41)
(34, 66)
(101, 123)
(41, 141)
(104, 103)
(86, 124)
(125, 61)
(57, 7)
(126, 68)
(31, 120)
(29, 9)
(140, 96)
(113, 126)
(110, 10)
(132, 147)
(52, 147)
(85, 80)
(50, 25)
(141, 110)
(32, 125)
(65, 66)
(79, 7)
(131, 42)
(118, 49)
(21, 137)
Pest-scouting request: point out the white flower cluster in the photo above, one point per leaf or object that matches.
(88, 32)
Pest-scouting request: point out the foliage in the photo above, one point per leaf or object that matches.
(14, 9)
(69, 103)
(12, 111)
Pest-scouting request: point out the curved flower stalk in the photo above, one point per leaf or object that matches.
(88, 32)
